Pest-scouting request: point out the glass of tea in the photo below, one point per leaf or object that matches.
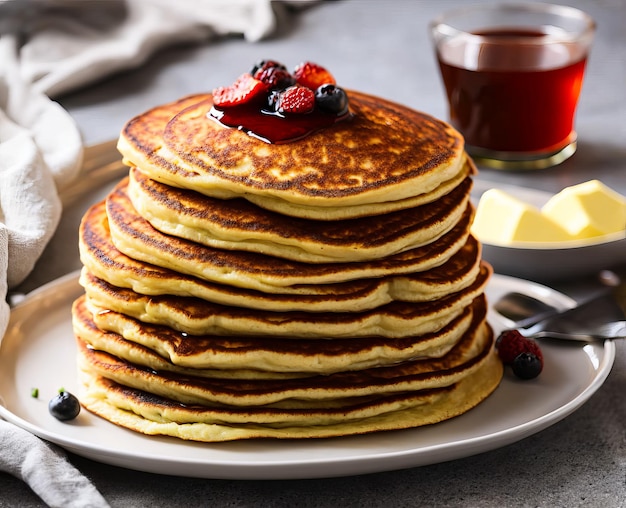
(513, 75)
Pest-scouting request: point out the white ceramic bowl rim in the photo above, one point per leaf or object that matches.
(564, 245)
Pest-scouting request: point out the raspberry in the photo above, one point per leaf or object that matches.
(275, 75)
(512, 343)
(243, 90)
(296, 99)
(312, 75)
(266, 64)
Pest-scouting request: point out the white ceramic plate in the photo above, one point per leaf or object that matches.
(38, 352)
(549, 261)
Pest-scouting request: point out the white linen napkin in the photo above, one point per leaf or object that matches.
(45, 468)
(40, 153)
(47, 48)
(81, 42)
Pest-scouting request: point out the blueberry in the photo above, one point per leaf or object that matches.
(332, 99)
(527, 366)
(64, 406)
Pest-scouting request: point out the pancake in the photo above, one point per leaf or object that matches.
(163, 349)
(152, 415)
(306, 392)
(200, 317)
(339, 411)
(380, 159)
(364, 210)
(242, 285)
(102, 259)
(239, 225)
(135, 237)
(338, 212)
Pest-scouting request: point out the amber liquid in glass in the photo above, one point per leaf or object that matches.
(519, 98)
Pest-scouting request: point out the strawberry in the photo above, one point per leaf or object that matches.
(243, 90)
(511, 343)
(296, 99)
(312, 75)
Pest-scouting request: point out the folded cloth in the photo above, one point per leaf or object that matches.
(81, 42)
(45, 468)
(50, 47)
(47, 48)
(40, 154)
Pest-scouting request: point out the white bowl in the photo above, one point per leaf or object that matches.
(546, 261)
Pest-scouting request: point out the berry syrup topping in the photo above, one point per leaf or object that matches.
(278, 106)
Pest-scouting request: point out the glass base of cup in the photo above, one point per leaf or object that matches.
(519, 160)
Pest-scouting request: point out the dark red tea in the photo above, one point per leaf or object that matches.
(511, 93)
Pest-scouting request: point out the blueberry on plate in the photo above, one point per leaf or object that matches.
(527, 366)
(64, 406)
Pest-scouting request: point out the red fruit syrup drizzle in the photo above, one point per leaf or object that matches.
(273, 127)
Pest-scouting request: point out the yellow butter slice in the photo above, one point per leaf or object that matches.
(588, 209)
(504, 219)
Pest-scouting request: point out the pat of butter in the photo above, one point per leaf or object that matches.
(588, 209)
(503, 219)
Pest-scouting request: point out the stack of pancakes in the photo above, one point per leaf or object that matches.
(328, 286)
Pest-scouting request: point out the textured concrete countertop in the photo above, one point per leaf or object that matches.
(382, 47)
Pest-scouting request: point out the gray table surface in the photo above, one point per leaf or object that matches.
(382, 47)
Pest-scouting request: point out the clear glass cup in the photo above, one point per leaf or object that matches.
(513, 75)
